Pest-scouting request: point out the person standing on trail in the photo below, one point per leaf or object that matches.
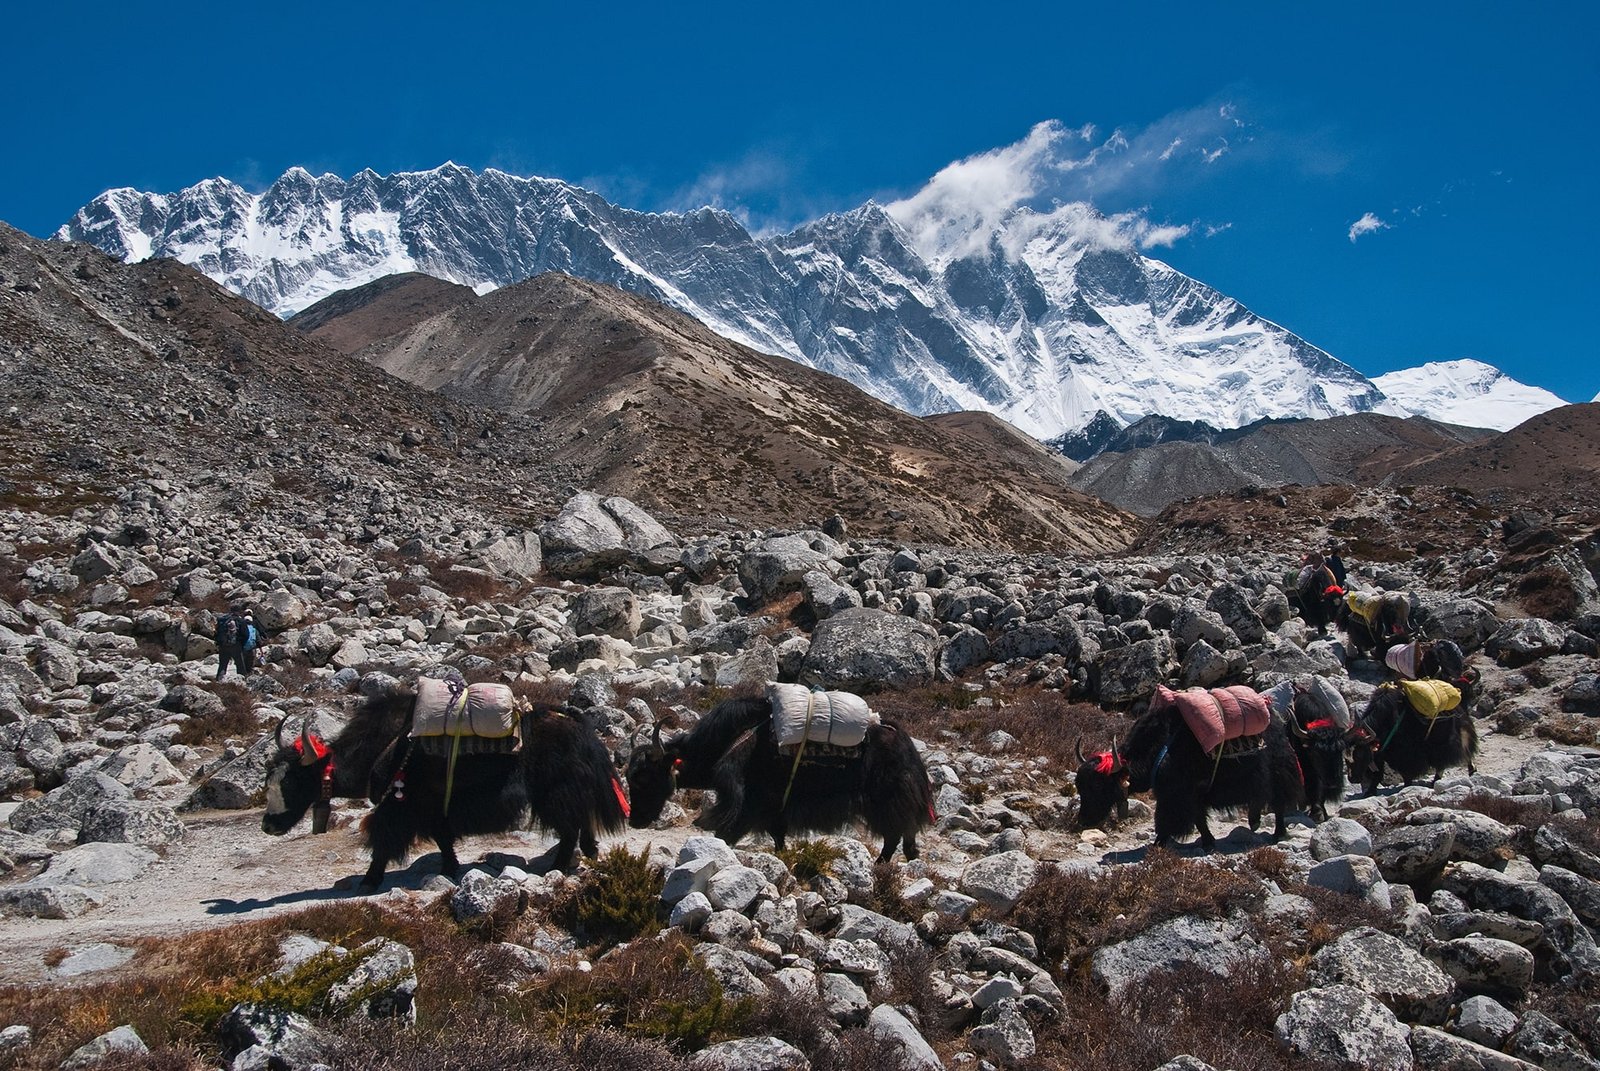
(232, 633)
(252, 641)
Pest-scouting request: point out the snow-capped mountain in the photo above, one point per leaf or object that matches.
(1467, 392)
(1046, 318)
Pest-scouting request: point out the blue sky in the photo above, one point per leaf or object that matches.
(1464, 133)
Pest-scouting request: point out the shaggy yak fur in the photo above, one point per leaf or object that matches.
(1320, 746)
(1161, 755)
(1393, 626)
(732, 750)
(562, 777)
(1396, 736)
(1318, 605)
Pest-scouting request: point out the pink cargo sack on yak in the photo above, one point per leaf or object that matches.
(1217, 715)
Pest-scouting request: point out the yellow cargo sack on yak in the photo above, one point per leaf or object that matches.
(447, 708)
(1431, 698)
(1364, 604)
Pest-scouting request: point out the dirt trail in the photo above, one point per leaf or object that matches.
(227, 871)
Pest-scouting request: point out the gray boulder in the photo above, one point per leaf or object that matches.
(1356, 875)
(1231, 603)
(515, 557)
(482, 896)
(1004, 1035)
(1344, 1026)
(1485, 1021)
(1340, 836)
(68, 806)
(47, 901)
(1390, 970)
(1474, 837)
(110, 1049)
(999, 880)
(1133, 671)
(869, 649)
(1573, 945)
(750, 1054)
(1581, 894)
(132, 822)
(1438, 1051)
(1525, 639)
(1545, 1042)
(606, 611)
(266, 1036)
(915, 1054)
(1487, 965)
(279, 610)
(239, 784)
(779, 565)
(1414, 855)
(98, 864)
(590, 535)
(1217, 947)
(1468, 622)
(826, 596)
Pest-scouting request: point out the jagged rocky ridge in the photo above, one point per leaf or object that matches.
(1038, 322)
(1459, 929)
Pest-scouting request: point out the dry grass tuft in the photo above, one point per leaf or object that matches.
(237, 721)
(1071, 913)
(1569, 729)
(1045, 722)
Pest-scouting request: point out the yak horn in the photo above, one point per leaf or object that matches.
(308, 753)
(1295, 727)
(1116, 756)
(1078, 747)
(277, 732)
(655, 733)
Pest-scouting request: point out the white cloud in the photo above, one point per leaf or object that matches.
(1366, 225)
(1055, 173)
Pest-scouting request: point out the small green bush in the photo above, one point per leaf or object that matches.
(620, 898)
(811, 859)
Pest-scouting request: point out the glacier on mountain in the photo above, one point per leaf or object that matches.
(1047, 316)
(1467, 392)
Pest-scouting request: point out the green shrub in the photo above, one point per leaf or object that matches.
(619, 899)
(808, 860)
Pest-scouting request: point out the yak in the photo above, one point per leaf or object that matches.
(1390, 624)
(760, 787)
(1397, 736)
(1160, 754)
(1318, 593)
(561, 776)
(1321, 738)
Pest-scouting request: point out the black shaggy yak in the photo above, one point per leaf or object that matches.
(1318, 594)
(1161, 755)
(562, 777)
(1395, 735)
(1320, 745)
(732, 750)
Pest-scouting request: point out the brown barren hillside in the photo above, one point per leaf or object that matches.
(348, 320)
(1552, 461)
(659, 408)
(1361, 448)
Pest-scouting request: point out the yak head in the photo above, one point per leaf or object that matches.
(295, 782)
(1363, 744)
(1102, 780)
(652, 778)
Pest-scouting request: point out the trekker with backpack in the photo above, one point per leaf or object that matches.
(252, 639)
(233, 632)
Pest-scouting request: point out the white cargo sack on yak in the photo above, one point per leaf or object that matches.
(800, 714)
(447, 708)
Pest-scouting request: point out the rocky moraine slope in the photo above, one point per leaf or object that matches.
(1437, 926)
